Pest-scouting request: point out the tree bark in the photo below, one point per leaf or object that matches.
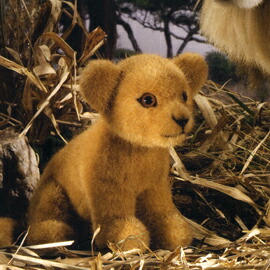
(19, 174)
(103, 13)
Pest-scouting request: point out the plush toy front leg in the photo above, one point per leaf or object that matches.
(166, 224)
(127, 233)
(115, 215)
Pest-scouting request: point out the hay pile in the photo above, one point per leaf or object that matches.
(221, 174)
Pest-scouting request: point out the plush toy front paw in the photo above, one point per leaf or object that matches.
(171, 232)
(127, 233)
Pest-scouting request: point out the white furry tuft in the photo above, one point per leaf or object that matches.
(242, 33)
(247, 3)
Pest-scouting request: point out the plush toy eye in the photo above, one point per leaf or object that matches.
(184, 96)
(148, 100)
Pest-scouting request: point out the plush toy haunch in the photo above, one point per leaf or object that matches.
(115, 174)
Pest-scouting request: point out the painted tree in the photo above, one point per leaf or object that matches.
(162, 16)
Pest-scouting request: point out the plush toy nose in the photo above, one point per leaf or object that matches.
(181, 121)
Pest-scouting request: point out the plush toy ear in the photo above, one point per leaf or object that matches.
(98, 81)
(195, 69)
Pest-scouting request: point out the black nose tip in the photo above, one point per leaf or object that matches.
(181, 121)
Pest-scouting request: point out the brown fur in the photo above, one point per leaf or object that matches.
(7, 231)
(244, 34)
(115, 174)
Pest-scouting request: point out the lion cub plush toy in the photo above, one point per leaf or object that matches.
(115, 174)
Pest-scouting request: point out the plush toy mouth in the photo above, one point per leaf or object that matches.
(174, 135)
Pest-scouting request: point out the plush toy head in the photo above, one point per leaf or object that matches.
(146, 99)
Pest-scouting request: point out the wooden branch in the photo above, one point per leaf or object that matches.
(130, 34)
